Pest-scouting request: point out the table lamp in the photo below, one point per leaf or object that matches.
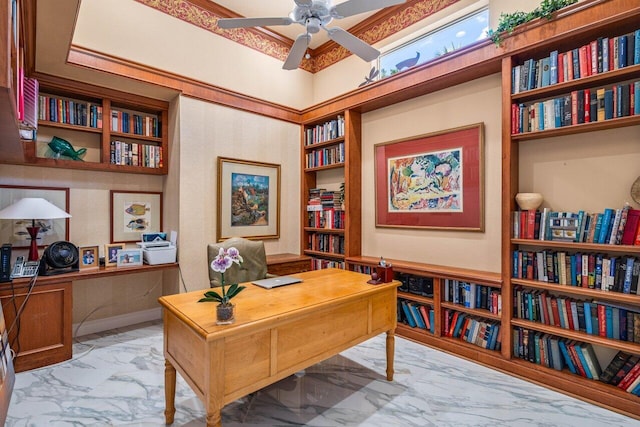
(33, 208)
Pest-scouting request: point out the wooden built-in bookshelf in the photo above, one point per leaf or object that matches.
(331, 155)
(592, 25)
(120, 132)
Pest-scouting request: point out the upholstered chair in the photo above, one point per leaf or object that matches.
(253, 267)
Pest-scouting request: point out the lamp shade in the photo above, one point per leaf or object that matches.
(33, 208)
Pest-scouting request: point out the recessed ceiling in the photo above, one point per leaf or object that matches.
(281, 8)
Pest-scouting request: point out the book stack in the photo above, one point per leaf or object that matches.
(129, 122)
(473, 295)
(587, 270)
(69, 111)
(327, 131)
(598, 56)
(554, 352)
(623, 372)
(325, 156)
(134, 154)
(472, 329)
(610, 227)
(589, 316)
(328, 243)
(319, 264)
(416, 315)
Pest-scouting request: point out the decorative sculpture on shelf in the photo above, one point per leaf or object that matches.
(62, 147)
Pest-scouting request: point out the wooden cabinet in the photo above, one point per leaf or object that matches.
(42, 334)
(284, 264)
(519, 106)
(118, 132)
(331, 156)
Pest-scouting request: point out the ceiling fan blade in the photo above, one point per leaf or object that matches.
(297, 52)
(353, 44)
(354, 7)
(227, 23)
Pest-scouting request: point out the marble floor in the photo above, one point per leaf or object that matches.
(116, 379)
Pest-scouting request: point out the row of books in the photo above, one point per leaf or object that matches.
(329, 243)
(473, 295)
(320, 198)
(612, 226)
(327, 218)
(69, 111)
(134, 154)
(591, 317)
(414, 284)
(137, 124)
(623, 372)
(556, 353)
(598, 56)
(416, 315)
(325, 156)
(325, 132)
(577, 107)
(586, 270)
(474, 330)
(319, 264)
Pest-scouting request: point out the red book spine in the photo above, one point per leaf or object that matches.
(587, 105)
(567, 303)
(630, 377)
(556, 312)
(575, 359)
(531, 224)
(561, 59)
(602, 321)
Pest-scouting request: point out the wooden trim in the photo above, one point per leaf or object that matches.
(187, 86)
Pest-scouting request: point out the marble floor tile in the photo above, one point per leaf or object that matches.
(116, 378)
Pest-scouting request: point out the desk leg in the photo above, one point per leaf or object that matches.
(169, 392)
(214, 419)
(391, 348)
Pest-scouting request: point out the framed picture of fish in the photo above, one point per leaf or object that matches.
(51, 230)
(134, 213)
(248, 200)
(431, 181)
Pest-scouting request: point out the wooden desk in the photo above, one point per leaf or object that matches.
(277, 332)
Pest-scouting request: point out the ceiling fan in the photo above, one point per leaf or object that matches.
(316, 14)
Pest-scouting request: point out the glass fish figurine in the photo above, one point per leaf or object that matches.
(63, 148)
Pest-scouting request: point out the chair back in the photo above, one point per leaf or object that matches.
(253, 267)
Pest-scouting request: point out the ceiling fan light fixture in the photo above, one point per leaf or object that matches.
(313, 25)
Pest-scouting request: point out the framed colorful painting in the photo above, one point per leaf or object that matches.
(432, 181)
(248, 199)
(134, 213)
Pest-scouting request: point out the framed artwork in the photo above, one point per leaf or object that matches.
(134, 213)
(89, 257)
(129, 257)
(248, 199)
(432, 181)
(51, 230)
(111, 254)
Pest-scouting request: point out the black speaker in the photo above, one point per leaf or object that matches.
(59, 257)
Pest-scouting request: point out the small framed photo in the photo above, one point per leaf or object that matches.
(129, 257)
(111, 254)
(89, 257)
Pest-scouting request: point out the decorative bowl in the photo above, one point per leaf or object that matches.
(529, 201)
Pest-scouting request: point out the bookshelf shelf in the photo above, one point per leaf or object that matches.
(311, 147)
(417, 298)
(323, 254)
(325, 230)
(121, 132)
(577, 246)
(546, 101)
(629, 347)
(476, 312)
(325, 167)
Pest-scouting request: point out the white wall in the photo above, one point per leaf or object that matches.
(208, 131)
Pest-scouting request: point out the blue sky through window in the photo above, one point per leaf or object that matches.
(427, 47)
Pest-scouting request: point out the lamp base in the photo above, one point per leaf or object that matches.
(33, 249)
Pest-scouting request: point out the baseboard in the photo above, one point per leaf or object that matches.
(99, 325)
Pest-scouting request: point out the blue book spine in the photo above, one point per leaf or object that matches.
(573, 270)
(583, 361)
(557, 112)
(608, 104)
(609, 320)
(588, 327)
(417, 316)
(623, 325)
(605, 54)
(546, 72)
(432, 322)
(636, 48)
(408, 314)
(567, 358)
(540, 115)
(531, 83)
(626, 288)
(553, 64)
(604, 229)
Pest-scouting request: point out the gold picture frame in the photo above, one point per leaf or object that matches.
(248, 199)
(89, 257)
(111, 253)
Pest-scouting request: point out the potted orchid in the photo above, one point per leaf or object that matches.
(221, 263)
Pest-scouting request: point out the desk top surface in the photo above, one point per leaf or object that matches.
(256, 305)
